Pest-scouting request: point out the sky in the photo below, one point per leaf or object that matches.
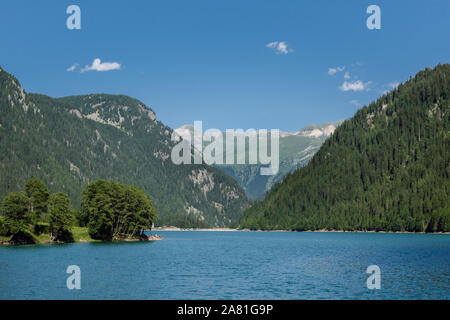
(229, 63)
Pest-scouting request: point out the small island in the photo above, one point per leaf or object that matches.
(109, 211)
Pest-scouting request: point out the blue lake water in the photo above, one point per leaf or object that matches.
(234, 265)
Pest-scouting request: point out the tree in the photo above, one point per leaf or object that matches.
(61, 218)
(15, 209)
(18, 220)
(38, 194)
(116, 211)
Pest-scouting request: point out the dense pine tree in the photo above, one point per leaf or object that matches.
(387, 168)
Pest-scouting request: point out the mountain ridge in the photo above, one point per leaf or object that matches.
(296, 149)
(387, 168)
(70, 141)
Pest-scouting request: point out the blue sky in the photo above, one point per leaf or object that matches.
(212, 60)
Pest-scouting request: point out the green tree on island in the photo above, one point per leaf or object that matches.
(109, 209)
(61, 218)
(116, 211)
(17, 216)
(38, 194)
(23, 212)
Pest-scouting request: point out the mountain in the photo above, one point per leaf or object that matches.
(387, 168)
(296, 149)
(68, 142)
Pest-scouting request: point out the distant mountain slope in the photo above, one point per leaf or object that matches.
(387, 168)
(296, 149)
(71, 141)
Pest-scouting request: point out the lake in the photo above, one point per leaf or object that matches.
(234, 265)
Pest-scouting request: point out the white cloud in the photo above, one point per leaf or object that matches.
(72, 68)
(357, 85)
(347, 75)
(393, 85)
(355, 103)
(97, 65)
(390, 86)
(279, 47)
(333, 71)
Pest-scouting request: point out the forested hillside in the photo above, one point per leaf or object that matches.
(387, 168)
(296, 149)
(69, 142)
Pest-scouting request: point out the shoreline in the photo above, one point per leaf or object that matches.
(46, 240)
(192, 229)
(6, 243)
(169, 229)
(321, 230)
